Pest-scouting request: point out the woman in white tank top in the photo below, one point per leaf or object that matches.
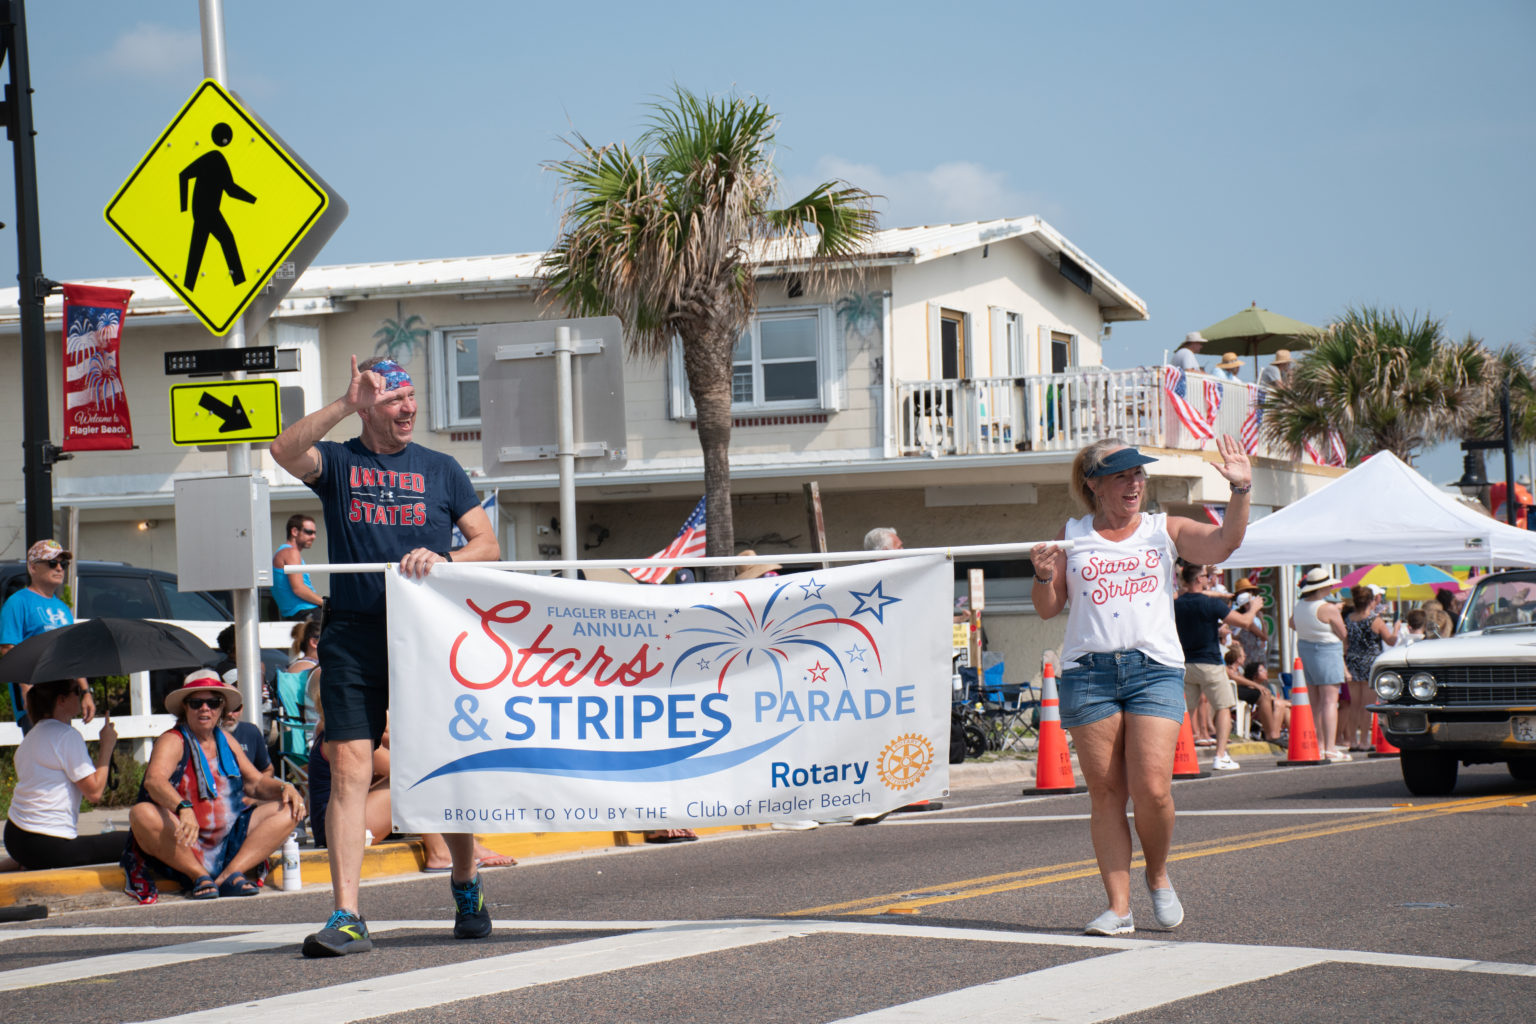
(1320, 636)
(1122, 685)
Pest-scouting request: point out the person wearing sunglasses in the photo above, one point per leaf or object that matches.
(296, 596)
(36, 608)
(191, 821)
(54, 770)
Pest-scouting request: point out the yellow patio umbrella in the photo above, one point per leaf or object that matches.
(1404, 581)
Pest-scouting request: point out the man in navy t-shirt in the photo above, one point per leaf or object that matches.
(1199, 617)
(386, 499)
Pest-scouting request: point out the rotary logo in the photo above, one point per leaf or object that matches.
(905, 761)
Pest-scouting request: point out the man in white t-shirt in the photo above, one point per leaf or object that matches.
(1184, 357)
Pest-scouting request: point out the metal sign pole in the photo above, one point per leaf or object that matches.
(247, 649)
(566, 415)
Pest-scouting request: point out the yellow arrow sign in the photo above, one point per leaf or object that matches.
(225, 412)
(215, 206)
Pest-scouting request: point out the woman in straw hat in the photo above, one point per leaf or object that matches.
(1228, 367)
(1122, 687)
(191, 815)
(1320, 634)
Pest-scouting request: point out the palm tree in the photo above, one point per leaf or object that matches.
(667, 237)
(1383, 381)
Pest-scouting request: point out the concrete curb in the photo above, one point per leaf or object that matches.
(404, 858)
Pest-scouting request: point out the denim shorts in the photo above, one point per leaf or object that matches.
(1100, 685)
(354, 677)
(1322, 663)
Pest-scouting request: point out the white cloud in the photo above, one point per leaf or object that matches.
(947, 193)
(154, 51)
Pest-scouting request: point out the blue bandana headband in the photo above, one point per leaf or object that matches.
(1119, 462)
(393, 373)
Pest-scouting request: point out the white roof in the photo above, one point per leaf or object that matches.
(1382, 511)
(321, 289)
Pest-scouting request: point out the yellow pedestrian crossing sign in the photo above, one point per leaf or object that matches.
(225, 412)
(215, 206)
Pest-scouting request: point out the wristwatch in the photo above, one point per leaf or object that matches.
(184, 805)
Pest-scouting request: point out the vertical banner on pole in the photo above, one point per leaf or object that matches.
(525, 703)
(95, 404)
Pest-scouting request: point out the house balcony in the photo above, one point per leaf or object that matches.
(1064, 412)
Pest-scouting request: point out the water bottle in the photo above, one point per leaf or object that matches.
(291, 880)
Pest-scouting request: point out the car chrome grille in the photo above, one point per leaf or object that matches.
(1487, 684)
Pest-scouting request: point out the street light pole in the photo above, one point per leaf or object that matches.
(1472, 477)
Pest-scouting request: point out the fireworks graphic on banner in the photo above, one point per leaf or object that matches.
(733, 632)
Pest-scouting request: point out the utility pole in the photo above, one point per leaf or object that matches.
(39, 451)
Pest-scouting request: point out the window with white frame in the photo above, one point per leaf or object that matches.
(455, 364)
(785, 359)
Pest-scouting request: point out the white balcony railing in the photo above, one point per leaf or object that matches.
(1063, 412)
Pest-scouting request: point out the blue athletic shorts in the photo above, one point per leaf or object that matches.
(1100, 685)
(354, 676)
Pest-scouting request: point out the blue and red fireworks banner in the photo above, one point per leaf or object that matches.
(95, 404)
(524, 703)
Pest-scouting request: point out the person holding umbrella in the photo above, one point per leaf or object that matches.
(191, 818)
(36, 608)
(54, 770)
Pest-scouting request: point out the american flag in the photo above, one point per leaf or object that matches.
(688, 543)
(1254, 420)
(1174, 383)
(1213, 395)
(1312, 452)
(1215, 513)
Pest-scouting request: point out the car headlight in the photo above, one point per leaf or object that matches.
(1388, 686)
(1422, 686)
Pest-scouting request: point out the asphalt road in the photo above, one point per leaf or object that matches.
(1311, 894)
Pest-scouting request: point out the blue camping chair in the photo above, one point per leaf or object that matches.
(295, 725)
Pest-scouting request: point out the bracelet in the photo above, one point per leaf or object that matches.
(1243, 489)
(444, 555)
(1046, 580)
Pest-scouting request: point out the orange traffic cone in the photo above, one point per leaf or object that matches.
(1185, 764)
(1303, 749)
(1383, 746)
(1053, 764)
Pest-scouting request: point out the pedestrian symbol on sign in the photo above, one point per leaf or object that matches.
(213, 181)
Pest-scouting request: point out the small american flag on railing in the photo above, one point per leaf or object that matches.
(1174, 386)
(1213, 394)
(1254, 420)
(688, 543)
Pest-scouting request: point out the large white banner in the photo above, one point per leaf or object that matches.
(524, 703)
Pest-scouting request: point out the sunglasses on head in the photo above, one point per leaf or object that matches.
(205, 702)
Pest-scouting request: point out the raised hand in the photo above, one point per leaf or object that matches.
(1234, 466)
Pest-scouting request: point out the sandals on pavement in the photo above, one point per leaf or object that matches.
(238, 885)
(203, 888)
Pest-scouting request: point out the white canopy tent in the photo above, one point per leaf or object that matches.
(1382, 511)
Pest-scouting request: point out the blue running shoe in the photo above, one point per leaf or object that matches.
(470, 920)
(343, 933)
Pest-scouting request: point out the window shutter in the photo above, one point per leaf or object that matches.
(935, 343)
(437, 404)
(679, 404)
(998, 332)
(833, 360)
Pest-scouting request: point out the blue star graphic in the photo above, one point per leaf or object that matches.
(703, 663)
(873, 601)
(856, 653)
(811, 585)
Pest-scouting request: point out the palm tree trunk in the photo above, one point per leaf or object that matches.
(708, 362)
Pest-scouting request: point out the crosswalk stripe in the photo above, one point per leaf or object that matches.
(1099, 988)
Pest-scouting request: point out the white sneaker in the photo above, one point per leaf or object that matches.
(1224, 763)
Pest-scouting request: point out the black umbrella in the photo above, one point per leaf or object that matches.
(104, 647)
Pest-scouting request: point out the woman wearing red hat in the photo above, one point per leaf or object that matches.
(191, 818)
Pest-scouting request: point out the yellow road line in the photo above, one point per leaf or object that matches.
(945, 892)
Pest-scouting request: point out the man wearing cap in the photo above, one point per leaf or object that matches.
(1279, 371)
(35, 609)
(386, 499)
(1184, 355)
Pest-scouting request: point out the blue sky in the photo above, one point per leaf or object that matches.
(1307, 156)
